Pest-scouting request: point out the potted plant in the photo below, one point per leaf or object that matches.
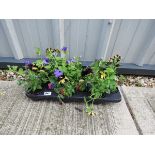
(54, 77)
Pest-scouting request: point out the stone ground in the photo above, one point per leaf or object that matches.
(19, 115)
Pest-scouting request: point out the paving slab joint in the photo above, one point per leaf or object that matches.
(131, 113)
(150, 105)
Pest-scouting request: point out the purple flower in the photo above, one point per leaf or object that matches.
(27, 62)
(51, 85)
(70, 60)
(64, 49)
(58, 73)
(46, 61)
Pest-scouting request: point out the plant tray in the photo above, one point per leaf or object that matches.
(77, 97)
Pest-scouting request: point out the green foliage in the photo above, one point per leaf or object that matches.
(12, 68)
(121, 79)
(38, 51)
(89, 108)
(98, 79)
(33, 82)
(103, 78)
(21, 72)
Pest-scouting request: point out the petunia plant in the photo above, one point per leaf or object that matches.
(100, 78)
(66, 77)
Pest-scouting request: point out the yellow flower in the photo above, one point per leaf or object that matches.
(42, 71)
(66, 78)
(91, 113)
(34, 68)
(62, 81)
(81, 80)
(102, 75)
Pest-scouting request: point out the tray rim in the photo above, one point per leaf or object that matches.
(112, 97)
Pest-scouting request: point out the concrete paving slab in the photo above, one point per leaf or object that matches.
(22, 116)
(143, 92)
(137, 100)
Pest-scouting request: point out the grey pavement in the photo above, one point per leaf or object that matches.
(19, 115)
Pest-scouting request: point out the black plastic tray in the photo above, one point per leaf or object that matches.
(77, 97)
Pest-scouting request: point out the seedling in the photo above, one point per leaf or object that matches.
(89, 107)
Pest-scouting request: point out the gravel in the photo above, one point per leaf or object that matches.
(137, 81)
(7, 75)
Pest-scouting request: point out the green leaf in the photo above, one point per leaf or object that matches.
(21, 71)
(38, 51)
(63, 69)
(48, 67)
(39, 63)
